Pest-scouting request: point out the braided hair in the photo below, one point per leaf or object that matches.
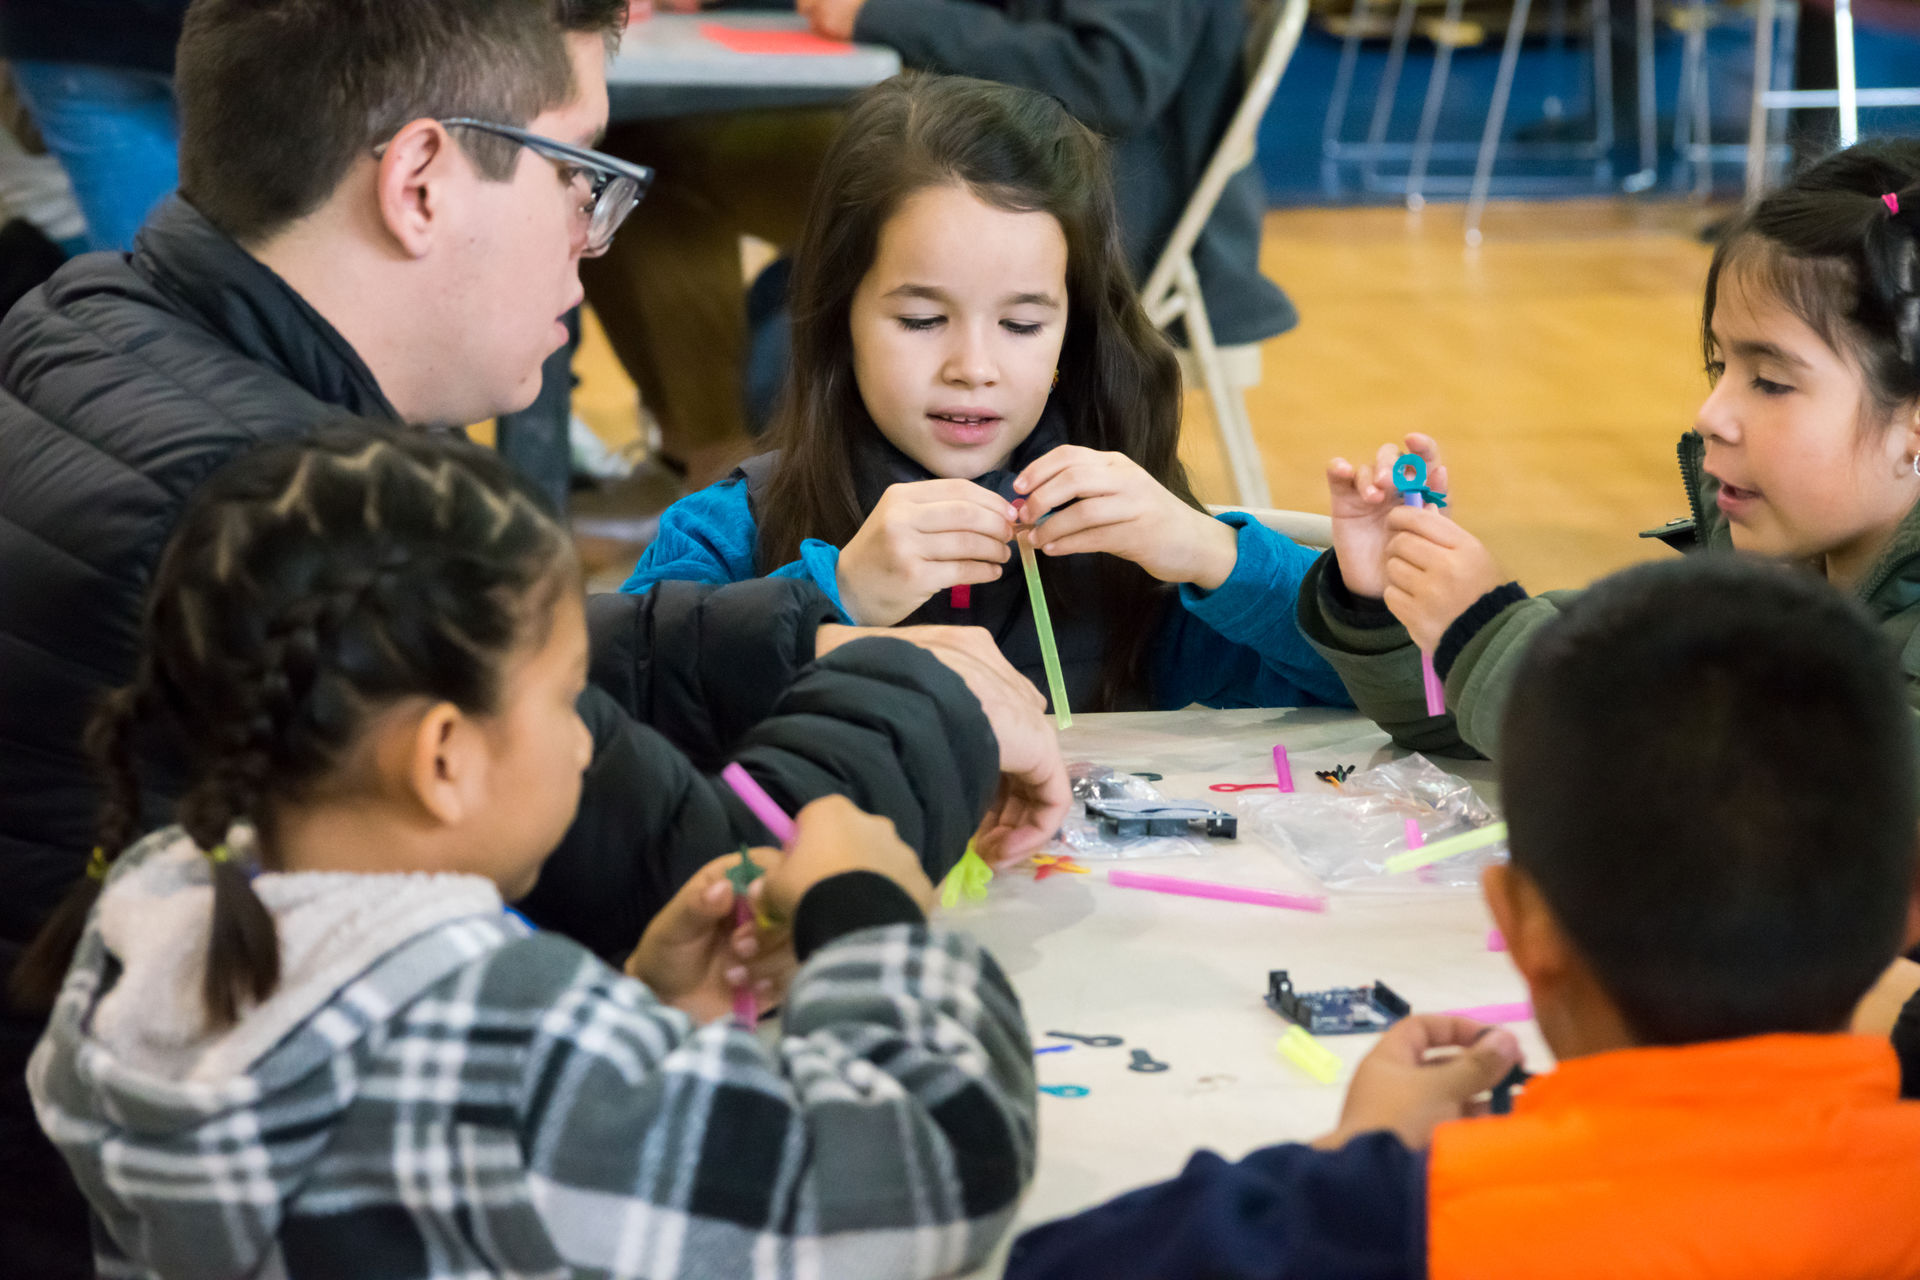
(1839, 246)
(309, 585)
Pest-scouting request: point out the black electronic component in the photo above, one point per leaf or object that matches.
(1162, 818)
(1337, 1011)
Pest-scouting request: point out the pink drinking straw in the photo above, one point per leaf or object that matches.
(746, 1009)
(751, 794)
(1282, 771)
(1218, 892)
(1429, 678)
(1496, 941)
(1518, 1012)
(1415, 836)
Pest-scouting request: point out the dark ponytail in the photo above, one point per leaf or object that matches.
(38, 974)
(309, 585)
(1839, 246)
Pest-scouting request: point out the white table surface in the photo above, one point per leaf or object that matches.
(1184, 978)
(668, 50)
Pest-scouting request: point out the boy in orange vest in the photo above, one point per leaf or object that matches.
(1710, 788)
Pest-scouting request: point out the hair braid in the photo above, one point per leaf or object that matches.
(37, 976)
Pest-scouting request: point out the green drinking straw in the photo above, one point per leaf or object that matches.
(1042, 623)
(1441, 850)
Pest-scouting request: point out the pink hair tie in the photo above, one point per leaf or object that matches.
(1892, 202)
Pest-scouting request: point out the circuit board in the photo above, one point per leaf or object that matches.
(1162, 818)
(1337, 1011)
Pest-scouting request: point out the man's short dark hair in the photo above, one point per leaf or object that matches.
(1709, 771)
(278, 98)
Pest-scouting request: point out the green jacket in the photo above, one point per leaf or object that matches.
(1381, 667)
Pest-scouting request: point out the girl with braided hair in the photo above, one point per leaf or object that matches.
(297, 1032)
(1806, 451)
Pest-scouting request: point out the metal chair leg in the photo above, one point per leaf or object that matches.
(1844, 78)
(1389, 90)
(1762, 86)
(1336, 121)
(1430, 113)
(1602, 16)
(1643, 52)
(1702, 110)
(1229, 407)
(1496, 120)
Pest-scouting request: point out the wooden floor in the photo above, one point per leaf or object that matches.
(1557, 364)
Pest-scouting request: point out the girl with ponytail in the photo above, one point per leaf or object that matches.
(1806, 451)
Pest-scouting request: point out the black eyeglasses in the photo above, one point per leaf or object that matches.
(614, 186)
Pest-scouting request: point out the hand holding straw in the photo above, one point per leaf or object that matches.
(1410, 478)
(746, 1009)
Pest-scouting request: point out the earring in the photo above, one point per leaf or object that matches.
(1916, 461)
(1916, 457)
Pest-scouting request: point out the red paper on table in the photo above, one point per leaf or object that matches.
(755, 40)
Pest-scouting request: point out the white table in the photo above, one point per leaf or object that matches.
(666, 67)
(1185, 978)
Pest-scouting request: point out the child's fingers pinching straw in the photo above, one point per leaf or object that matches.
(1043, 624)
(1410, 478)
(746, 1009)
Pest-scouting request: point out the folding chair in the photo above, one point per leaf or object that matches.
(1304, 527)
(1848, 96)
(1172, 291)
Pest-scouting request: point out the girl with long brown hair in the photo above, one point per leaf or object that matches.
(970, 360)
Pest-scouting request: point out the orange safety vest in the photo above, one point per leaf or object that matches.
(1779, 1156)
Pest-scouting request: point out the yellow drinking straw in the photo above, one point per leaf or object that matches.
(1043, 623)
(1310, 1055)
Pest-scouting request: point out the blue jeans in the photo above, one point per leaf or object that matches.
(116, 133)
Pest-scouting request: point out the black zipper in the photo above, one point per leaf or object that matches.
(1690, 476)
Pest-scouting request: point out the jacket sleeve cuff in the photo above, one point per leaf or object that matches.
(819, 563)
(1364, 613)
(1465, 627)
(1267, 562)
(848, 903)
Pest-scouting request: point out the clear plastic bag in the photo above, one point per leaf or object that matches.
(1082, 837)
(1344, 837)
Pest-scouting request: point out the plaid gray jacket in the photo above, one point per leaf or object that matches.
(488, 1102)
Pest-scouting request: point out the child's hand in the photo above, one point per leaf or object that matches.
(692, 955)
(922, 538)
(832, 837)
(1435, 571)
(1362, 497)
(833, 19)
(1881, 1007)
(1125, 512)
(1396, 1087)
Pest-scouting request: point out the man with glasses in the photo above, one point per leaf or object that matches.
(382, 212)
